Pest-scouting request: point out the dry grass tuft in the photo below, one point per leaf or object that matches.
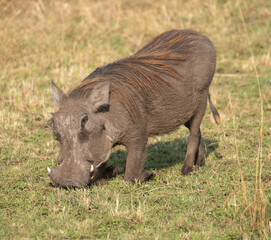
(260, 218)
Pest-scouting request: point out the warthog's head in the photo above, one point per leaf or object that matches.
(80, 128)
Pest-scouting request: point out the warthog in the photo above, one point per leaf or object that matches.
(162, 86)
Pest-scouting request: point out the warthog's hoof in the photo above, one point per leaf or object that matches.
(146, 176)
(186, 170)
(118, 170)
(110, 171)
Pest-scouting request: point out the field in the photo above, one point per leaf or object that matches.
(228, 198)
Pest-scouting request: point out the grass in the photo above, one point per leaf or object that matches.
(229, 198)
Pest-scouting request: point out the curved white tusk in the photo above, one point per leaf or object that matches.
(49, 170)
(92, 177)
(91, 168)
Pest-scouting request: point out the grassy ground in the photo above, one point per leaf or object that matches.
(64, 41)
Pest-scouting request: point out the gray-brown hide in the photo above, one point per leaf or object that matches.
(163, 85)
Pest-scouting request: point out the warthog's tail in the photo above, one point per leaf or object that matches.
(214, 111)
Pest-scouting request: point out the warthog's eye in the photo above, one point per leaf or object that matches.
(51, 123)
(56, 135)
(84, 120)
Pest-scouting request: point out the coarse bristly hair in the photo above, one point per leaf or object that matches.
(145, 73)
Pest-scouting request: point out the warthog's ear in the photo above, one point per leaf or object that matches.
(57, 94)
(100, 97)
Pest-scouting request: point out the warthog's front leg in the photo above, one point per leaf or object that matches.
(136, 158)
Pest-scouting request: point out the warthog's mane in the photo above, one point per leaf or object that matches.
(145, 73)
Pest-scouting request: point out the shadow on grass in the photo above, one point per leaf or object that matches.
(164, 154)
(161, 155)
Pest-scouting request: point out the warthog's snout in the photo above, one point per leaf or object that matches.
(70, 177)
